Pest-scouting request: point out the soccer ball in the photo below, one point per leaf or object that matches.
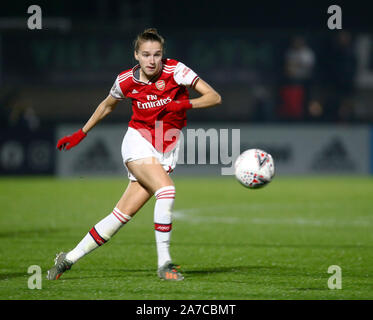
(254, 168)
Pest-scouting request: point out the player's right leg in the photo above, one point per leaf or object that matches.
(131, 201)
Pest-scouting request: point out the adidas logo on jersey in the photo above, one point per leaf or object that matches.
(134, 91)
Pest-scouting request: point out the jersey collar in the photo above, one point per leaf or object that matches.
(136, 75)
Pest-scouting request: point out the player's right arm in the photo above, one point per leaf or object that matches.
(103, 109)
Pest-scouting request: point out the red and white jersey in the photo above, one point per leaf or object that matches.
(150, 98)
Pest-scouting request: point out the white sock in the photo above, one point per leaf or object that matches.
(163, 222)
(99, 234)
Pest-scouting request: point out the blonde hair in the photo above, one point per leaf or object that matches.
(150, 34)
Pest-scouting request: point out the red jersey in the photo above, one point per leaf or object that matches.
(149, 100)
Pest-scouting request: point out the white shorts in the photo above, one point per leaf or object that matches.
(135, 147)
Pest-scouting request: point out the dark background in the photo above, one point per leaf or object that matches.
(62, 72)
(272, 62)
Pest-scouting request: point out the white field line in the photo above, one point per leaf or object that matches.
(195, 216)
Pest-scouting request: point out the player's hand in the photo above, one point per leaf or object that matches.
(67, 142)
(178, 105)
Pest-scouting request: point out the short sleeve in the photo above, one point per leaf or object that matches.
(185, 76)
(116, 91)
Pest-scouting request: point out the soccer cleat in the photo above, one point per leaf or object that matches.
(61, 264)
(169, 272)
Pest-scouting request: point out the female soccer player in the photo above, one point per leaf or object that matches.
(160, 99)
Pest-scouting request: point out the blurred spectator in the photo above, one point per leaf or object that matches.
(263, 106)
(299, 61)
(17, 112)
(299, 66)
(343, 71)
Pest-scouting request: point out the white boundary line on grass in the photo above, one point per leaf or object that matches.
(195, 216)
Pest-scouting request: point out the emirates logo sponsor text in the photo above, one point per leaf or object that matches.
(153, 104)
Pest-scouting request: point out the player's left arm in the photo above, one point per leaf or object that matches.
(184, 76)
(209, 96)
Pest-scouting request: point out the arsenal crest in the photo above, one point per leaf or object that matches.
(160, 84)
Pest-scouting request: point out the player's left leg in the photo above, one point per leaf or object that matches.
(131, 201)
(134, 197)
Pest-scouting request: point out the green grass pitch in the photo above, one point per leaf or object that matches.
(232, 243)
